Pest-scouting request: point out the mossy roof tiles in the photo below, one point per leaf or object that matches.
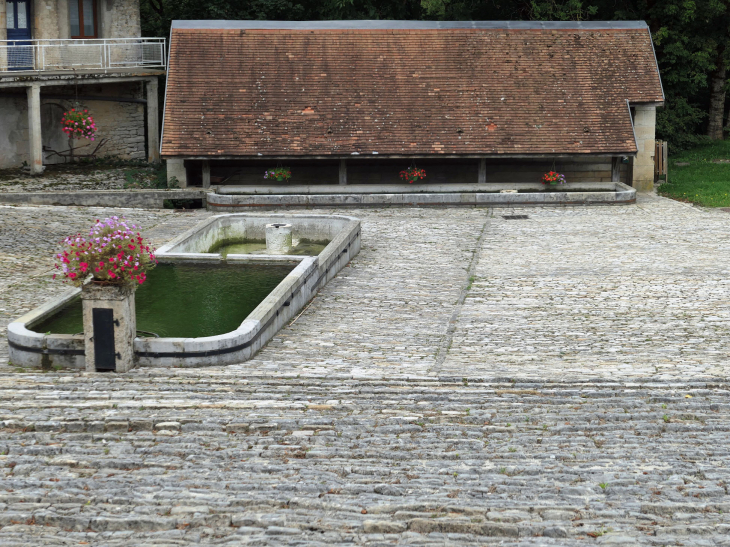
(249, 92)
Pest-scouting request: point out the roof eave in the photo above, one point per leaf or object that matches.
(249, 157)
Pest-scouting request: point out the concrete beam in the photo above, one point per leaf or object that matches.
(70, 78)
(35, 138)
(343, 172)
(153, 122)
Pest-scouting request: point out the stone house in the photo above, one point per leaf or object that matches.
(357, 101)
(59, 54)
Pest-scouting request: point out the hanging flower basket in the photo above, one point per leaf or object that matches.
(553, 178)
(413, 174)
(280, 174)
(78, 125)
(113, 252)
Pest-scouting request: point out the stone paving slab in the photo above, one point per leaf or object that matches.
(572, 392)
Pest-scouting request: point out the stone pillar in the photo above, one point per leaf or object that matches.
(110, 326)
(343, 172)
(35, 139)
(616, 169)
(176, 170)
(482, 177)
(153, 122)
(644, 127)
(206, 174)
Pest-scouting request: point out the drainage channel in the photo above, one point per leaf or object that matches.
(443, 349)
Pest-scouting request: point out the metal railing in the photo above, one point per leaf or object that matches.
(81, 54)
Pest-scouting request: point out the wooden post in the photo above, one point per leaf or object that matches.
(343, 172)
(616, 169)
(482, 178)
(206, 174)
(660, 160)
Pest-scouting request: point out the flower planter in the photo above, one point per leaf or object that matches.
(110, 326)
(280, 174)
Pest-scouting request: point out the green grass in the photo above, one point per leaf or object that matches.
(702, 181)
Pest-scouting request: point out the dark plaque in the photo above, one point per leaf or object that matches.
(104, 354)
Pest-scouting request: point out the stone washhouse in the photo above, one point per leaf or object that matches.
(356, 102)
(59, 54)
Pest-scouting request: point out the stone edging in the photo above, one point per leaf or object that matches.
(473, 196)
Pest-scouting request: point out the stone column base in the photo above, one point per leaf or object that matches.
(110, 326)
(643, 185)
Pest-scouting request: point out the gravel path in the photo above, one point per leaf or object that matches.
(467, 380)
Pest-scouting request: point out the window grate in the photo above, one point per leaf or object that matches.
(515, 217)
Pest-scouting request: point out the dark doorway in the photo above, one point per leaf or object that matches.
(20, 50)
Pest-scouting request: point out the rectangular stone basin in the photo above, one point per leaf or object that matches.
(308, 274)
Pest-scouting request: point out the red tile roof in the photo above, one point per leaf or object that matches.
(243, 92)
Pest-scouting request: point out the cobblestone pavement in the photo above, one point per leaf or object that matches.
(467, 380)
(62, 177)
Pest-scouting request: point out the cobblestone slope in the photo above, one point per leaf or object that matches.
(467, 380)
(202, 457)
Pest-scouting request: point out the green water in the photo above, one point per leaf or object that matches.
(257, 247)
(188, 300)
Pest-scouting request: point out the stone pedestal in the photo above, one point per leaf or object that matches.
(110, 326)
(278, 238)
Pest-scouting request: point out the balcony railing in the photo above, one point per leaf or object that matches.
(82, 54)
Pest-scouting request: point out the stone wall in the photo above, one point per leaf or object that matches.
(119, 19)
(14, 136)
(115, 19)
(47, 22)
(3, 22)
(122, 123)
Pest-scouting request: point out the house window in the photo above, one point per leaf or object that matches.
(83, 18)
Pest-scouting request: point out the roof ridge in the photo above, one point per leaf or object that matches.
(407, 25)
